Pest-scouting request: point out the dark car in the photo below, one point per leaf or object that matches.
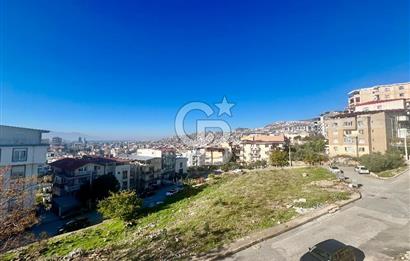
(330, 250)
(74, 224)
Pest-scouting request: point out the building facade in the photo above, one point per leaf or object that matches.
(258, 147)
(379, 93)
(359, 133)
(22, 153)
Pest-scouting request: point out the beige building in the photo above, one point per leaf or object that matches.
(359, 133)
(259, 147)
(379, 93)
(216, 156)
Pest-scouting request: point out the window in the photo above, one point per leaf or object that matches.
(348, 140)
(124, 185)
(357, 99)
(401, 94)
(180, 165)
(334, 124)
(19, 155)
(361, 141)
(347, 123)
(359, 123)
(349, 149)
(379, 107)
(361, 149)
(18, 172)
(335, 148)
(361, 131)
(401, 87)
(124, 174)
(387, 89)
(348, 132)
(387, 96)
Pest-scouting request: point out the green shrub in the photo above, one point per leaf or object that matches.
(377, 162)
(279, 158)
(123, 205)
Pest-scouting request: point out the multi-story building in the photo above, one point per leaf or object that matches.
(146, 172)
(217, 156)
(167, 156)
(21, 154)
(196, 157)
(181, 164)
(378, 93)
(56, 141)
(71, 173)
(259, 147)
(358, 133)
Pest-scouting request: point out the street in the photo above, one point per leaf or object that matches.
(378, 224)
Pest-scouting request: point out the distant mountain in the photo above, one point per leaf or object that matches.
(70, 136)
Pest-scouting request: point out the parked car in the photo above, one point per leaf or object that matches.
(330, 250)
(362, 170)
(74, 224)
(335, 170)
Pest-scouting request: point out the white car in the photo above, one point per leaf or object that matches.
(335, 170)
(362, 170)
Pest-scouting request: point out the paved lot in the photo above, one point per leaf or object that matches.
(378, 224)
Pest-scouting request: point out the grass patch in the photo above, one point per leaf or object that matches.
(391, 172)
(200, 219)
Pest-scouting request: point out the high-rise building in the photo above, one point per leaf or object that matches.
(380, 97)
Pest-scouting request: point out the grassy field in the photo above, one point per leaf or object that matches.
(200, 219)
(391, 172)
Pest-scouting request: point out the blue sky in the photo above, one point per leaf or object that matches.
(121, 69)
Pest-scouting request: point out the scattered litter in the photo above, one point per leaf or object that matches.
(301, 200)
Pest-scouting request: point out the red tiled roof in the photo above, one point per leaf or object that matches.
(69, 163)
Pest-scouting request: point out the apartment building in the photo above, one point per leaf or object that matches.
(146, 172)
(379, 93)
(168, 157)
(358, 133)
(71, 173)
(181, 165)
(217, 156)
(22, 153)
(195, 157)
(259, 147)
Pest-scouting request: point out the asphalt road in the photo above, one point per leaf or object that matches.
(378, 224)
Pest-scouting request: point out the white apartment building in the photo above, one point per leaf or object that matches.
(21, 154)
(196, 157)
(181, 165)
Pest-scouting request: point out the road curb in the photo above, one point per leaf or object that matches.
(392, 177)
(263, 235)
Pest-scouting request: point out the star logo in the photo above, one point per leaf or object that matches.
(225, 107)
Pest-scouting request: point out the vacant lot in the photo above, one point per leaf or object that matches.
(198, 220)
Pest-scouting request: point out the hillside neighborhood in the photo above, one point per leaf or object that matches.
(53, 186)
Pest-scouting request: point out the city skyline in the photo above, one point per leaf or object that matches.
(106, 71)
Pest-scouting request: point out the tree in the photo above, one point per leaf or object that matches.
(99, 189)
(377, 162)
(123, 205)
(17, 213)
(279, 158)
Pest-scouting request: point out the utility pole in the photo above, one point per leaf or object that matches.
(290, 157)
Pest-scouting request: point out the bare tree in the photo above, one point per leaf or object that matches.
(17, 209)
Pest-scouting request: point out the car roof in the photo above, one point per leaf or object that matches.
(330, 245)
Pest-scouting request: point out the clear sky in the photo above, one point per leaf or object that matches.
(122, 69)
